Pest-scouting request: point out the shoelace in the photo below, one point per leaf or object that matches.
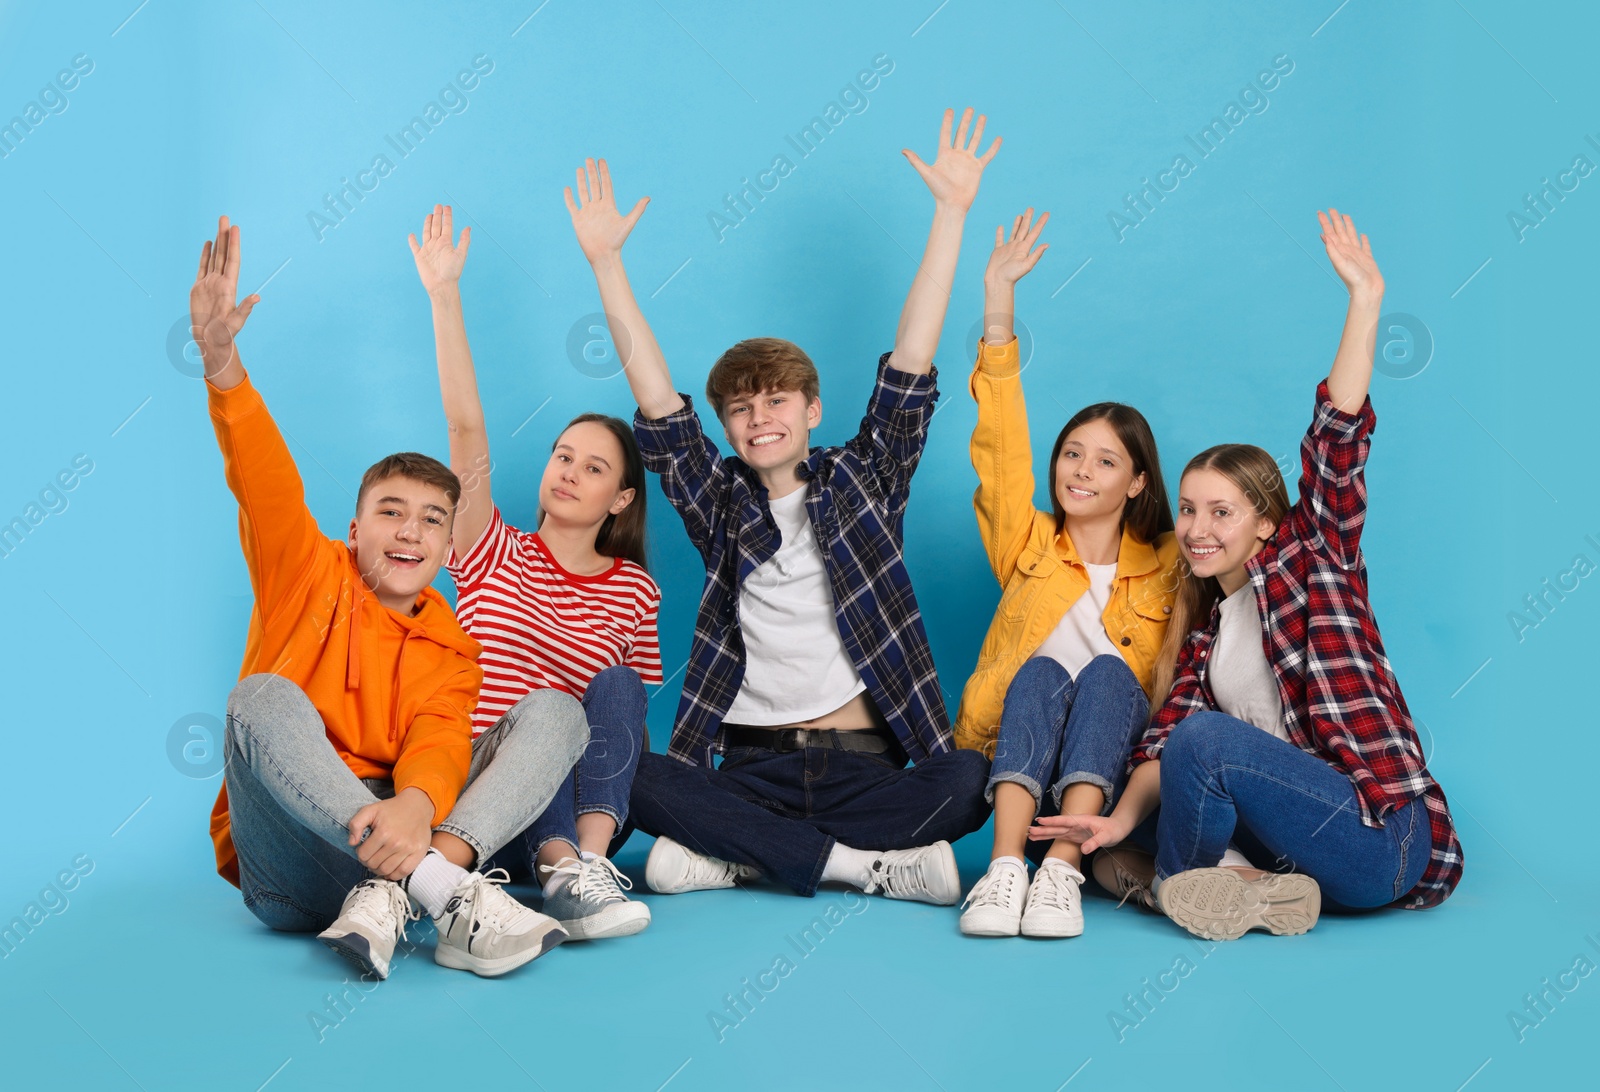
(1051, 889)
(1132, 886)
(705, 871)
(997, 888)
(496, 913)
(374, 901)
(595, 876)
(898, 879)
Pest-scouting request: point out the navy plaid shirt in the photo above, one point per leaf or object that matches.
(1341, 701)
(856, 500)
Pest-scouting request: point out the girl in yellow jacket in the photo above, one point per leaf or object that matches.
(1061, 689)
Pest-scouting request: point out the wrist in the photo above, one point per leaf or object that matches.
(1369, 298)
(606, 261)
(445, 294)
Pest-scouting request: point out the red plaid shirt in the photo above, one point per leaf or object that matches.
(1340, 698)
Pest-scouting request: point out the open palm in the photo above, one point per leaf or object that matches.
(439, 259)
(600, 228)
(1012, 259)
(1350, 253)
(953, 178)
(216, 315)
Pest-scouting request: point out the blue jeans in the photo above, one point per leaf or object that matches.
(291, 797)
(1059, 731)
(1287, 810)
(601, 781)
(782, 813)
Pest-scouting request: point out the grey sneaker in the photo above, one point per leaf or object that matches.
(1127, 873)
(673, 869)
(486, 931)
(924, 874)
(590, 904)
(1226, 903)
(373, 917)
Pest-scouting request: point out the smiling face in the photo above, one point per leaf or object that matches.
(1218, 528)
(771, 430)
(582, 482)
(1094, 474)
(400, 536)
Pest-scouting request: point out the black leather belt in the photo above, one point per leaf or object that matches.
(785, 740)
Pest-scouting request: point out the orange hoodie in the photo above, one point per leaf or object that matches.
(395, 693)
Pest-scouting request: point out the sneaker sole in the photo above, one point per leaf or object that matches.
(1050, 930)
(1220, 904)
(447, 956)
(984, 927)
(617, 921)
(355, 948)
(657, 882)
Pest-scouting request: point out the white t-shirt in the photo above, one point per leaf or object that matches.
(1080, 636)
(796, 667)
(1241, 678)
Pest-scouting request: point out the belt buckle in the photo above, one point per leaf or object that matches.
(790, 739)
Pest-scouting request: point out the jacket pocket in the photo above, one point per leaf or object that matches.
(1034, 570)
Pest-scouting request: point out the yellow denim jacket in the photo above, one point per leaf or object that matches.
(1040, 571)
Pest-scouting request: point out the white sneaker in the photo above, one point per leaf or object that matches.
(590, 904)
(672, 869)
(993, 908)
(1055, 906)
(486, 931)
(373, 917)
(925, 874)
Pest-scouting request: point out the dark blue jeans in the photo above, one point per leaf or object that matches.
(1057, 731)
(782, 813)
(602, 780)
(1287, 810)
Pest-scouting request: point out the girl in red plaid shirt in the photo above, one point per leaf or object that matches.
(1284, 738)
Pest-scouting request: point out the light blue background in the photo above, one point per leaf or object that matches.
(1216, 317)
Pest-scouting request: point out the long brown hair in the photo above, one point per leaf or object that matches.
(1257, 476)
(621, 534)
(1147, 515)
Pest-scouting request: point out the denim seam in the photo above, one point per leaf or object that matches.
(1022, 779)
(1082, 777)
(478, 847)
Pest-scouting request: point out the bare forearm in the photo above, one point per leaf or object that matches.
(921, 320)
(999, 310)
(1351, 373)
(458, 381)
(1141, 796)
(227, 375)
(636, 344)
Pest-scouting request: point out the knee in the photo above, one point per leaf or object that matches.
(969, 770)
(558, 715)
(1107, 671)
(1196, 741)
(1039, 679)
(617, 683)
(254, 697)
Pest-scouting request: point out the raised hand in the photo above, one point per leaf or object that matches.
(953, 178)
(439, 258)
(1351, 254)
(600, 228)
(1015, 258)
(216, 315)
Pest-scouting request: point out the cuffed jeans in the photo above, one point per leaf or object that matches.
(601, 781)
(1288, 811)
(782, 813)
(291, 797)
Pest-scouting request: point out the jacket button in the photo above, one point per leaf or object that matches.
(1127, 641)
(1166, 610)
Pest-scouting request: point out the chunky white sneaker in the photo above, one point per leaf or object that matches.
(1055, 905)
(993, 907)
(590, 904)
(1226, 903)
(925, 874)
(373, 917)
(672, 869)
(486, 931)
(1127, 873)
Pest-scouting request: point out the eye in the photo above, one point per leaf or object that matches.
(1069, 454)
(563, 459)
(735, 411)
(1221, 513)
(1107, 463)
(593, 469)
(1185, 510)
(436, 521)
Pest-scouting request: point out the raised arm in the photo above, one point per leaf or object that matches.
(215, 318)
(953, 181)
(1011, 260)
(439, 263)
(1351, 255)
(601, 231)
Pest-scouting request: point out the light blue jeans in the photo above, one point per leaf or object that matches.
(291, 797)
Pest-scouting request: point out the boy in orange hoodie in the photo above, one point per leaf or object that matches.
(349, 738)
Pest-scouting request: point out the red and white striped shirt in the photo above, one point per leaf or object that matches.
(542, 627)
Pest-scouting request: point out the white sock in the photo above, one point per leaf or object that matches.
(846, 865)
(434, 881)
(1232, 858)
(1010, 862)
(1057, 862)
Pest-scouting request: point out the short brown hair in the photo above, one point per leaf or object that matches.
(419, 468)
(761, 364)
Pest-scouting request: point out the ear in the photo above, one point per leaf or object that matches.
(814, 413)
(352, 539)
(1138, 485)
(1265, 528)
(624, 499)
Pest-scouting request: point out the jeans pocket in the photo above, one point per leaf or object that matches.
(738, 756)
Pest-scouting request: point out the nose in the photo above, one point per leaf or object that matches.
(409, 531)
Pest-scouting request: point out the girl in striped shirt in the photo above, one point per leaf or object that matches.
(569, 606)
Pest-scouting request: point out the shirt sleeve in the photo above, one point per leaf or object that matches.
(1187, 697)
(277, 532)
(691, 470)
(1003, 458)
(894, 432)
(644, 655)
(1332, 506)
(492, 550)
(437, 750)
